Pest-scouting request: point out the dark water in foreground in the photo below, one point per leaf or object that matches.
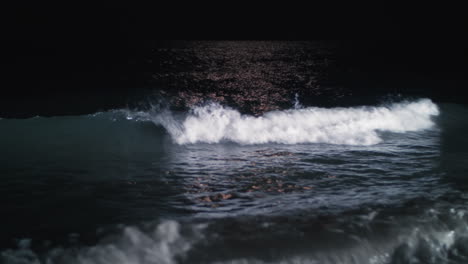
(375, 184)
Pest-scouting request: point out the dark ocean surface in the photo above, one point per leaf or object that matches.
(313, 172)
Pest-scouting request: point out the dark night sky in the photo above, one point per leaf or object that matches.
(92, 48)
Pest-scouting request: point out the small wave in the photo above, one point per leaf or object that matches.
(441, 238)
(437, 236)
(214, 123)
(162, 245)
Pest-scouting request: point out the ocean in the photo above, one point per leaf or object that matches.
(257, 158)
(363, 184)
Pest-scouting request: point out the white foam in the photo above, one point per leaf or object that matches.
(297, 104)
(214, 123)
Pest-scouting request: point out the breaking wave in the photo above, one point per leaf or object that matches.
(214, 123)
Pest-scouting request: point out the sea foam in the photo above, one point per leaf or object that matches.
(214, 123)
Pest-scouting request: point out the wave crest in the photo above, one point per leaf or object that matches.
(214, 123)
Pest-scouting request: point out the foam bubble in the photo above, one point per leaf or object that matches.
(214, 123)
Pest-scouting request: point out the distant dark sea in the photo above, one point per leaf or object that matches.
(238, 152)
